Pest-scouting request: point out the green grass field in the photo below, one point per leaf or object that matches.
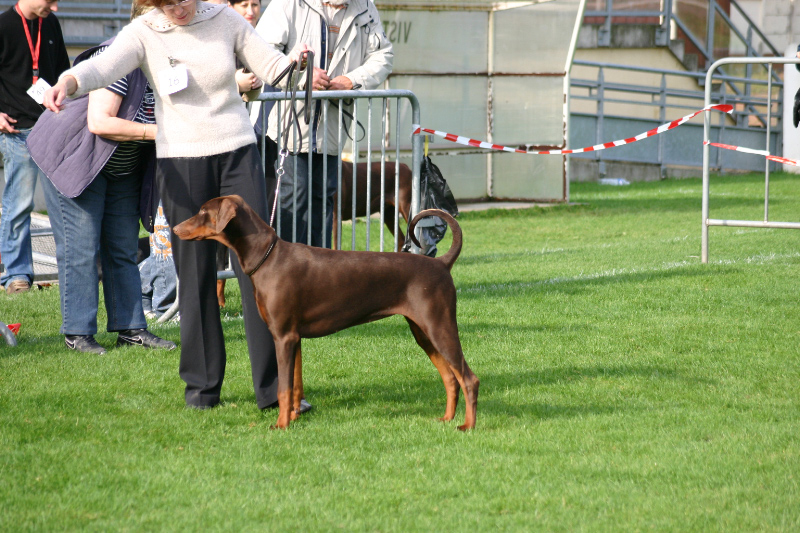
(625, 386)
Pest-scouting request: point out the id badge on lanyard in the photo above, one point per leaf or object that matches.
(34, 51)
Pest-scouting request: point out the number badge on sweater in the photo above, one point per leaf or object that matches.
(173, 79)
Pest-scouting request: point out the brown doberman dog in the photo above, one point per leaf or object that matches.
(403, 200)
(306, 292)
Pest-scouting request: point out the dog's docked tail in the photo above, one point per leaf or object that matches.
(455, 248)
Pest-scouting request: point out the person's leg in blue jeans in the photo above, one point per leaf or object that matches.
(76, 230)
(119, 240)
(324, 189)
(294, 199)
(15, 233)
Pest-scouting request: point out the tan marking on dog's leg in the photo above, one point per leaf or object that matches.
(284, 408)
(451, 385)
(469, 384)
(297, 388)
(221, 292)
(445, 341)
(285, 347)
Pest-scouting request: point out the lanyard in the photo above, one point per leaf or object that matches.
(34, 52)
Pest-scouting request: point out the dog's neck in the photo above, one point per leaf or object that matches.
(251, 238)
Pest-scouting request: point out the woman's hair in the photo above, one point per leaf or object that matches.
(139, 8)
(234, 2)
(151, 3)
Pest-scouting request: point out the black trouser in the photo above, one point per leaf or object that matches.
(186, 184)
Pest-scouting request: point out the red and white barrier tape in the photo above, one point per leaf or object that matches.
(726, 108)
(766, 154)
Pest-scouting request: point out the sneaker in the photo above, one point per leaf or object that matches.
(142, 337)
(17, 285)
(304, 407)
(83, 343)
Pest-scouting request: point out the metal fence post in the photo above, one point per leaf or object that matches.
(706, 220)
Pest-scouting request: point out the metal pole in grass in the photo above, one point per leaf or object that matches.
(706, 134)
(769, 124)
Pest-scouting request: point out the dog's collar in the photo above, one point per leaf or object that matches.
(263, 258)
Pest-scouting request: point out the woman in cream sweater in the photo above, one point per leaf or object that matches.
(205, 147)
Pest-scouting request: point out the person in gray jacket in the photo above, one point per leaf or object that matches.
(352, 52)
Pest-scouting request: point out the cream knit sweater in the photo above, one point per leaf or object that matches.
(208, 116)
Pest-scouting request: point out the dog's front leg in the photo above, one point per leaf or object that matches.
(297, 386)
(285, 348)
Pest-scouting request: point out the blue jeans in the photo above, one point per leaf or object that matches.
(103, 220)
(323, 190)
(159, 284)
(15, 225)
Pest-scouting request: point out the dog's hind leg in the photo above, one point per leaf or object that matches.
(444, 339)
(448, 378)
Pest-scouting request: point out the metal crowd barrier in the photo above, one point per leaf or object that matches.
(766, 223)
(356, 149)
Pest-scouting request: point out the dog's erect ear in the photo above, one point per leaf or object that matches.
(227, 210)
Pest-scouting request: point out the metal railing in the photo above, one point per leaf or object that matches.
(669, 21)
(719, 28)
(752, 116)
(356, 151)
(608, 13)
(707, 222)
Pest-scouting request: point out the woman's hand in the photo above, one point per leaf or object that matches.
(54, 96)
(298, 54)
(247, 81)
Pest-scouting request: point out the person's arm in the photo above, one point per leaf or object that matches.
(103, 121)
(274, 29)
(376, 65)
(124, 55)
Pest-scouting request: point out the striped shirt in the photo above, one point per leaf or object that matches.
(127, 157)
(334, 16)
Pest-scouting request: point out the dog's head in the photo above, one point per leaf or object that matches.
(211, 221)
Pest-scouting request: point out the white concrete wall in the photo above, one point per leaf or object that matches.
(779, 20)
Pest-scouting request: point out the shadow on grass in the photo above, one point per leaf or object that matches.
(498, 393)
(578, 283)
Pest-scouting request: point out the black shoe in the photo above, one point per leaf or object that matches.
(83, 343)
(142, 337)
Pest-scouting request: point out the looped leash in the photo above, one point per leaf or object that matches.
(278, 174)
